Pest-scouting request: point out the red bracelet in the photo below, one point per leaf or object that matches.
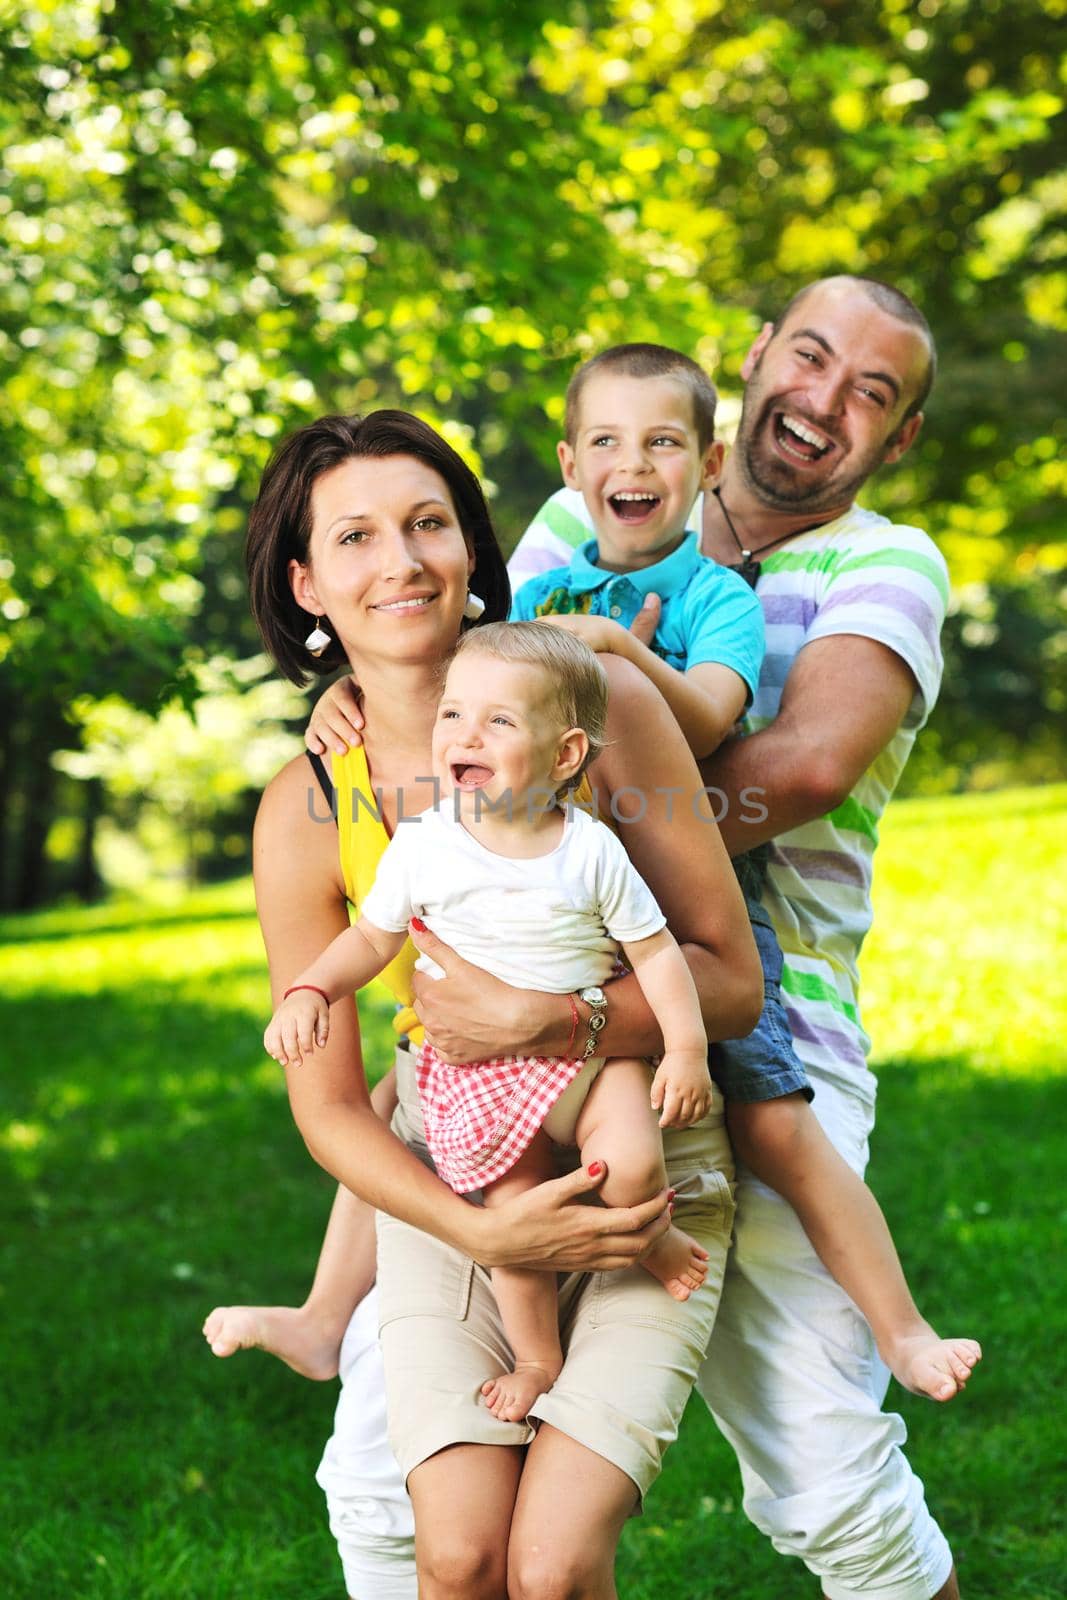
(576, 1018)
(310, 986)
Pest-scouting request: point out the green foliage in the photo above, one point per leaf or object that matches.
(149, 1169)
(218, 219)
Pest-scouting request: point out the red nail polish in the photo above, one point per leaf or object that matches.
(595, 1168)
(419, 926)
(671, 1194)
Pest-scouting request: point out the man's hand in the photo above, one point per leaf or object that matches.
(546, 1228)
(682, 1088)
(644, 625)
(468, 1014)
(336, 720)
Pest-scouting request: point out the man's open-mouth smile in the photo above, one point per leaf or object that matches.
(798, 439)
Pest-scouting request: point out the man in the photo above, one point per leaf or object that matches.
(853, 606)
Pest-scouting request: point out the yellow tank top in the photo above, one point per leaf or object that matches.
(362, 839)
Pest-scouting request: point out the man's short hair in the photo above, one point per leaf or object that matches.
(647, 361)
(579, 683)
(895, 303)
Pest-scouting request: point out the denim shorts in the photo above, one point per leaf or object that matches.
(764, 1065)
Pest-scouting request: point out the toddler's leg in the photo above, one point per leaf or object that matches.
(529, 1305)
(782, 1143)
(617, 1125)
(308, 1337)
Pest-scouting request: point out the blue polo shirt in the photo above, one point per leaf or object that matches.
(709, 613)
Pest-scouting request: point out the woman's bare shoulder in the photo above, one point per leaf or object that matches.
(295, 833)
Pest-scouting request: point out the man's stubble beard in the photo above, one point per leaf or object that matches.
(782, 487)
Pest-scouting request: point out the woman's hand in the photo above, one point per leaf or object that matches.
(336, 719)
(471, 1016)
(547, 1227)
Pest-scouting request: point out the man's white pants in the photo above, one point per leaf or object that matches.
(793, 1381)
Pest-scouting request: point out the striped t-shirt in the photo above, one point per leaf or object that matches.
(864, 575)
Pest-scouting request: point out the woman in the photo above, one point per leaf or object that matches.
(375, 533)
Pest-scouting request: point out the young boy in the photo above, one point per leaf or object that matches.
(639, 445)
(544, 897)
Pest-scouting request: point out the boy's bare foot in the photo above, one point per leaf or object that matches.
(510, 1396)
(935, 1367)
(680, 1264)
(292, 1333)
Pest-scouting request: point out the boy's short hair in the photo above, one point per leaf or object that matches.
(647, 361)
(579, 682)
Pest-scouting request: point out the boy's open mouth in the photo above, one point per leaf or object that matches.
(468, 775)
(633, 505)
(797, 439)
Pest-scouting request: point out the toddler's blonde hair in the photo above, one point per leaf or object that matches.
(578, 683)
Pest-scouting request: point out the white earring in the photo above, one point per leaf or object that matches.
(474, 607)
(317, 639)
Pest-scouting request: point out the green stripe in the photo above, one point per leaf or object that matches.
(565, 524)
(838, 562)
(797, 561)
(807, 986)
(930, 570)
(856, 818)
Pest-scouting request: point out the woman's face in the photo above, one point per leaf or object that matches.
(387, 560)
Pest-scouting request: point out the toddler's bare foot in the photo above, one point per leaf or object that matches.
(292, 1333)
(680, 1264)
(935, 1367)
(510, 1396)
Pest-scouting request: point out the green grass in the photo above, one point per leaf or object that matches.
(149, 1168)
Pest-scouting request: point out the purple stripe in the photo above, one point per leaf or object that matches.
(894, 598)
(833, 866)
(788, 610)
(838, 1044)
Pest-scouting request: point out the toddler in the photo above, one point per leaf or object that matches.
(540, 895)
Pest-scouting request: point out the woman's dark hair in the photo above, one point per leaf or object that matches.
(279, 526)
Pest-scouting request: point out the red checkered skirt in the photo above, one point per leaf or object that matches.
(481, 1115)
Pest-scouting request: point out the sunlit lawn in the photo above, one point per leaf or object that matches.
(148, 1168)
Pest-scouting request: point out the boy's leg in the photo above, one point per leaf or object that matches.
(308, 1337)
(795, 1384)
(617, 1125)
(782, 1143)
(528, 1302)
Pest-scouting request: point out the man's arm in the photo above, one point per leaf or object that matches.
(844, 699)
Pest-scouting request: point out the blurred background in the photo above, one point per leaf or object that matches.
(221, 219)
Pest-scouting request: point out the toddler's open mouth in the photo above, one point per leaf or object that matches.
(468, 775)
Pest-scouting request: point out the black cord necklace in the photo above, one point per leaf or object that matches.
(748, 567)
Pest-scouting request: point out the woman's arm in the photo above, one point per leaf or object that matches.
(300, 899)
(647, 780)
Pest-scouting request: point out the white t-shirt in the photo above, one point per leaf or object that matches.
(554, 922)
(860, 574)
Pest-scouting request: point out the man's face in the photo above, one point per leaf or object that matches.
(825, 399)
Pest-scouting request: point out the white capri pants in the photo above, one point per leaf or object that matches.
(792, 1379)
